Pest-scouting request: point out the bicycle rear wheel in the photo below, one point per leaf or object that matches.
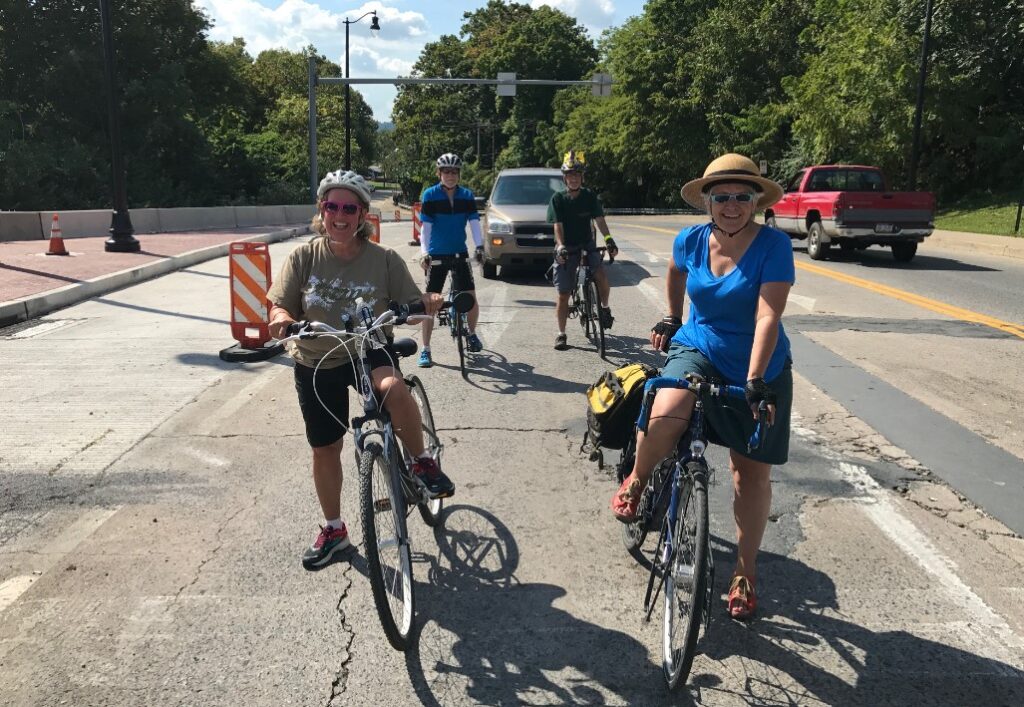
(633, 534)
(594, 314)
(388, 556)
(686, 578)
(430, 508)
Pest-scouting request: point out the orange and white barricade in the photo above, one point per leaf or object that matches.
(249, 269)
(416, 208)
(374, 220)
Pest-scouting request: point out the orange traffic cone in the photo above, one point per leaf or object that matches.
(56, 239)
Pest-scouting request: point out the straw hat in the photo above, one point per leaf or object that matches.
(732, 168)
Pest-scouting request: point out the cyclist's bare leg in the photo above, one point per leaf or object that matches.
(752, 502)
(428, 328)
(473, 315)
(562, 310)
(603, 288)
(405, 416)
(670, 416)
(327, 478)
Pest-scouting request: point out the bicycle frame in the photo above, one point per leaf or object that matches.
(690, 448)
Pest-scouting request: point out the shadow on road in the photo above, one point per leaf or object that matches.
(802, 650)
(492, 372)
(488, 638)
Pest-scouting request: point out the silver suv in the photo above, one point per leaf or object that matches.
(516, 228)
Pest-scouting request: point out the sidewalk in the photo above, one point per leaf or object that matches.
(33, 284)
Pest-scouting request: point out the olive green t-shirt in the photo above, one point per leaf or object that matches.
(575, 215)
(314, 284)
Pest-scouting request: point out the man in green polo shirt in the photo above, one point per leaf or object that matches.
(572, 212)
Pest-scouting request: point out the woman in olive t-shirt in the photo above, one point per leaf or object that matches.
(321, 280)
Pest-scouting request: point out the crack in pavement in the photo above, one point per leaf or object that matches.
(340, 682)
(213, 553)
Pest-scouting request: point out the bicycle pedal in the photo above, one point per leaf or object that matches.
(382, 505)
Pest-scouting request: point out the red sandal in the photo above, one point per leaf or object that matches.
(627, 498)
(742, 602)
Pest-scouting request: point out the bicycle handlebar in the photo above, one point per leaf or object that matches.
(396, 314)
(702, 387)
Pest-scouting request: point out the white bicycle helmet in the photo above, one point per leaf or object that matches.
(345, 180)
(449, 159)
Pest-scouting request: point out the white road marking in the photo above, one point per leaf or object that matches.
(205, 457)
(1002, 643)
(14, 588)
(499, 316)
(652, 258)
(73, 536)
(802, 301)
(238, 400)
(656, 297)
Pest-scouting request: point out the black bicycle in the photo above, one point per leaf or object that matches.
(676, 501)
(388, 490)
(457, 322)
(585, 301)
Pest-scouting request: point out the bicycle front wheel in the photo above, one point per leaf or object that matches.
(388, 556)
(430, 508)
(463, 332)
(594, 314)
(686, 578)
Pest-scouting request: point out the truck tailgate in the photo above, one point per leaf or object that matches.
(900, 209)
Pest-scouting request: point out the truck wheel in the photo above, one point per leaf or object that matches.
(816, 249)
(490, 271)
(904, 252)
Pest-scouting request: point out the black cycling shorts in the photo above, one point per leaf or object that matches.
(332, 384)
(462, 273)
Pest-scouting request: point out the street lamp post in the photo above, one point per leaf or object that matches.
(122, 238)
(916, 149)
(374, 26)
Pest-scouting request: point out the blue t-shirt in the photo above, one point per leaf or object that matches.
(448, 219)
(722, 309)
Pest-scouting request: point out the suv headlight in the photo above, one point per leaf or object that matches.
(498, 226)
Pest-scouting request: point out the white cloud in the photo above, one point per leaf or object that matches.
(295, 24)
(596, 15)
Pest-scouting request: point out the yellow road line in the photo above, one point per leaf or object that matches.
(909, 297)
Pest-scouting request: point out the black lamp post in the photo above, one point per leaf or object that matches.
(374, 26)
(122, 238)
(920, 95)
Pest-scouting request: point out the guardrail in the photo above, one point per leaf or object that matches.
(35, 225)
(653, 212)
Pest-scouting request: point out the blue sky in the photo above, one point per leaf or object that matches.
(406, 26)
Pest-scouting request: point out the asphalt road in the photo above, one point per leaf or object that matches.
(155, 501)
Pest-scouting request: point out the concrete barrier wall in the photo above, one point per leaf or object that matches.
(145, 220)
(20, 226)
(77, 224)
(300, 214)
(35, 225)
(260, 215)
(197, 217)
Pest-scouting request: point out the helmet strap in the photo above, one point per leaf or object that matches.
(716, 227)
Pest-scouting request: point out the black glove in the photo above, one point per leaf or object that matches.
(613, 249)
(757, 390)
(667, 327)
(479, 254)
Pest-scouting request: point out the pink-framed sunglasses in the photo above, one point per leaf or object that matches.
(348, 208)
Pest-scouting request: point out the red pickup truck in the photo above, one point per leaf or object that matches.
(850, 205)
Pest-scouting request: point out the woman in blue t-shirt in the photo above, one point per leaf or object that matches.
(737, 274)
